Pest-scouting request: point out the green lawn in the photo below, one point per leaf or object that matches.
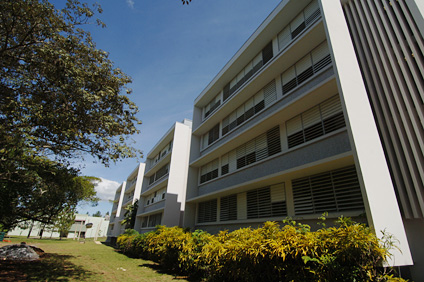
(69, 260)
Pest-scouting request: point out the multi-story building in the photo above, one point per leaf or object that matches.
(126, 194)
(162, 198)
(114, 228)
(321, 110)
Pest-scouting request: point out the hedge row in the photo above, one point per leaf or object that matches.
(349, 252)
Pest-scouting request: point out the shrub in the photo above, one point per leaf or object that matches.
(349, 252)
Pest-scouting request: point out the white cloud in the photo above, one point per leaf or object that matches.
(106, 189)
(130, 4)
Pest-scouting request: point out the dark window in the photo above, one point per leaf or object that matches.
(207, 211)
(213, 134)
(332, 191)
(273, 141)
(267, 53)
(224, 169)
(228, 210)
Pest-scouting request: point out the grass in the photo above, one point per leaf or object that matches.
(69, 260)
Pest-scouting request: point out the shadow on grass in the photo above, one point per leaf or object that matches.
(159, 269)
(50, 267)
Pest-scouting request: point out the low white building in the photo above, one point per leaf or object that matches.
(79, 229)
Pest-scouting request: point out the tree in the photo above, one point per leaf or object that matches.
(60, 98)
(97, 214)
(130, 215)
(64, 221)
(60, 95)
(43, 192)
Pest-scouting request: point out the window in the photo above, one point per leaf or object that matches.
(254, 105)
(159, 174)
(213, 104)
(144, 221)
(211, 136)
(154, 220)
(304, 19)
(156, 196)
(228, 208)
(248, 71)
(266, 202)
(306, 67)
(162, 153)
(315, 122)
(333, 191)
(261, 147)
(209, 171)
(207, 211)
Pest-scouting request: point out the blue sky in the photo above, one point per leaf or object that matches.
(171, 51)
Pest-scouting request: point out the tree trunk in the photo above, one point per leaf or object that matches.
(30, 229)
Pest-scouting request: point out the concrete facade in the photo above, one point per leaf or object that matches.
(126, 194)
(318, 111)
(78, 229)
(162, 200)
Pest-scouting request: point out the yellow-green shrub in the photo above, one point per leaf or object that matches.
(350, 252)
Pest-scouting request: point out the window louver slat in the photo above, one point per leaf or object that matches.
(207, 211)
(289, 79)
(297, 25)
(315, 122)
(270, 93)
(284, 38)
(306, 67)
(312, 12)
(228, 209)
(260, 203)
(332, 191)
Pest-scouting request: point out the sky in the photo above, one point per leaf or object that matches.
(171, 51)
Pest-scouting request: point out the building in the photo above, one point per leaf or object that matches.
(126, 194)
(99, 226)
(114, 229)
(162, 198)
(321, 110)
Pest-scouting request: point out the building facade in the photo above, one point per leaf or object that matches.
(114, 229)
(321, 110)
(99, 227)
(162, 198)
(126, 194)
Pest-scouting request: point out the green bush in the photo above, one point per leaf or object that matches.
(349, 252)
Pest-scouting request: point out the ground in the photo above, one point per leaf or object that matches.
(69, 260)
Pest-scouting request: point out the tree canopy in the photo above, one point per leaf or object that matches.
(60, 95)
(60, 98)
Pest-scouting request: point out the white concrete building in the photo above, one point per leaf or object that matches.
(321, 110)
(99, 227)
(162, 199)
(126, 194)
(114, 229)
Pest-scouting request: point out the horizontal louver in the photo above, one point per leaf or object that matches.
(315, 122)
(312, 12)
(263, 146)
(159, 174)
(306, 67)
(304, 19)
(155, 220)
(254, 105)
(207, 211)
(266, 202)
(209, 171)
(228, 208)
(333, 191)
